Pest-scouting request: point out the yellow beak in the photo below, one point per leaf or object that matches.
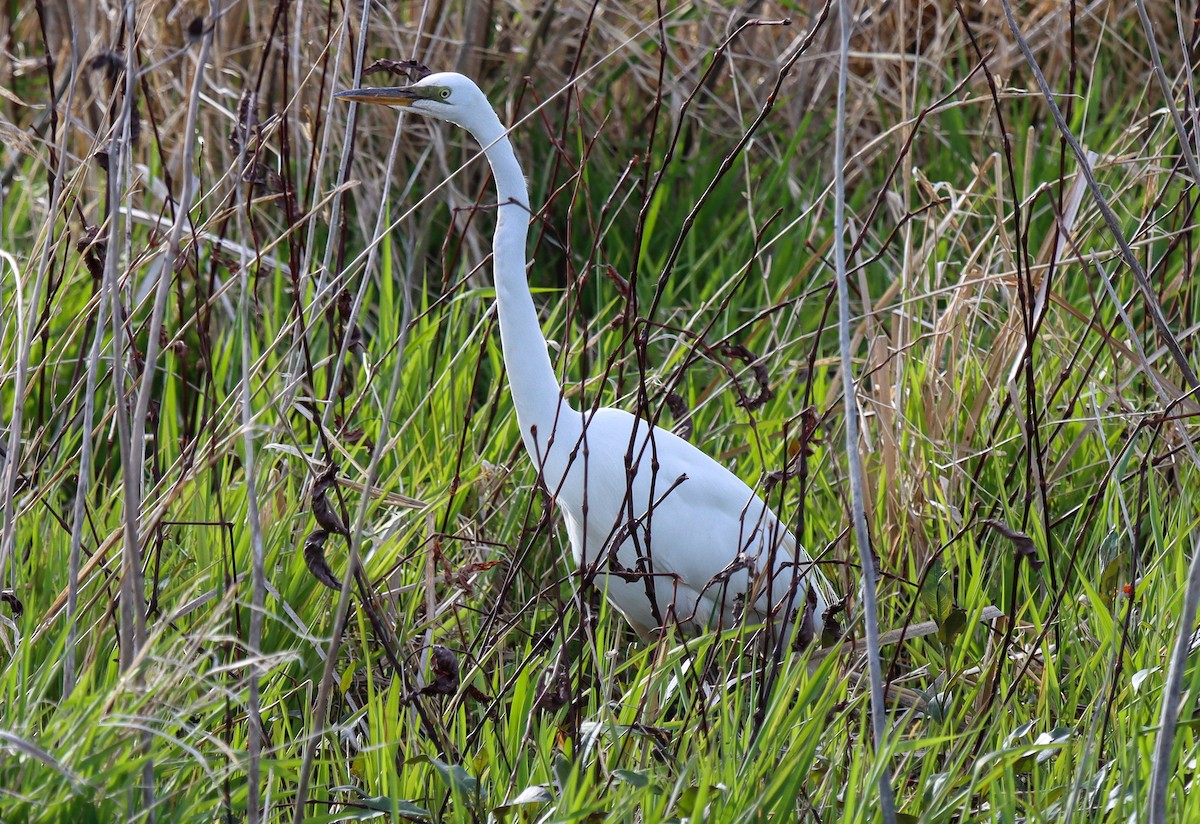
(399, 96)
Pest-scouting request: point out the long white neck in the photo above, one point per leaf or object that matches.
(535, 389)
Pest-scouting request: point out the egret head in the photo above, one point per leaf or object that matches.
(445, 96)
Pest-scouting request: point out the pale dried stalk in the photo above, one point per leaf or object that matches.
(862, 537)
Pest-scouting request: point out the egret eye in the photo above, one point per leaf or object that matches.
(445, 94)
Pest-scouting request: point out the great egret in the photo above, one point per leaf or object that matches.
(670, 535)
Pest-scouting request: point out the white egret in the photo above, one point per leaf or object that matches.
(670, 535)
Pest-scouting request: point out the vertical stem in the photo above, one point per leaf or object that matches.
(1168, 93)
(850, 395)
(132, 614)
(84, 480)
(81, 491)
(246, 315)
(1168, 719)
(132, 618)
(257, 567)
(27, 327)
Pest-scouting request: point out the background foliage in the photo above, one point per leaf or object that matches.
(218, 282)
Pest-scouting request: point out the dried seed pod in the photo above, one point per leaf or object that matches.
(110, 62)
(555, 692)
(9, 597)
(806, 628)
(765, 393)
(314, 559)
(679, 410)
(444, 664)
(356, 340)
(798, 451)
(833, 630)
(325, 514)
(1021, 542)
(412, 69)
(93, 248)
(196, 29)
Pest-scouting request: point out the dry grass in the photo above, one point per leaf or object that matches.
(997, 376)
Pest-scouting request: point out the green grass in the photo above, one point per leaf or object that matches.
(1050, 711)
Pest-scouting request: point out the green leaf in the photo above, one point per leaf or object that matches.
(633, 778)
(1140, 677)
(454, 775)
(937, 592)
(937, 706)
(375, 805)
(689, 796)
(952, 626)
(1110, 579)
(537, 794)
(928, 593)
(562, 771)
(1051, 741)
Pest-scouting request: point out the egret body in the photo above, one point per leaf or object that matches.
(670, 535)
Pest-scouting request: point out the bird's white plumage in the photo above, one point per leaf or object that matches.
(641, 504)
(708, 539)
